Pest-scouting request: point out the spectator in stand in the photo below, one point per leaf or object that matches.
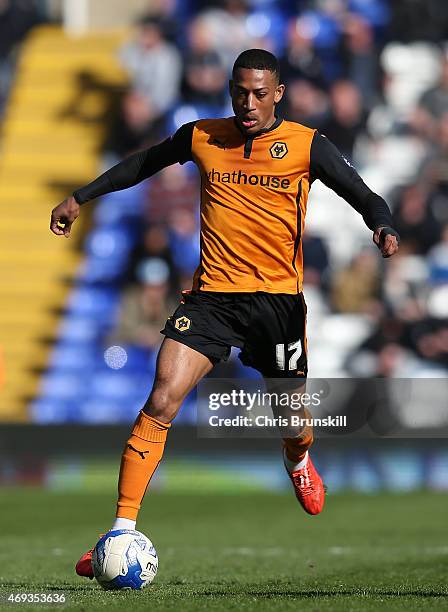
(205, 81)
(172, 189)
(145, 306)
(434, 172)
(154, 66)
(346, 120)
(382, 353)
(305, 104)
(154, 244)
(356, 289)
(316, 262)
(418, 20)
(438, 259)
(433, 104)
(404, 286)
(415, 221)
(16, 19)
(227, 28)
(361, 58)
(300, 61)
(137, 126)
(205, 76)
(430, 340)
(184, 241)
(168, 15)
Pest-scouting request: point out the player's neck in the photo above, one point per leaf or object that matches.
(270, 125)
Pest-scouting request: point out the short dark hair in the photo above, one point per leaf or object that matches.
(257, 59)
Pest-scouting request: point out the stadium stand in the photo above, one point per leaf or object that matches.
(353, 71)
(46, 149)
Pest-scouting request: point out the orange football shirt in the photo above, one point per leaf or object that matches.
(254, 193)
(253, 197)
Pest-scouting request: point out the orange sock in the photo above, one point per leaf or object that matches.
(141, 456)
(295, 448)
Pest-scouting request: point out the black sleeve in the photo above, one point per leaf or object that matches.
(141, 165)
(328, 165)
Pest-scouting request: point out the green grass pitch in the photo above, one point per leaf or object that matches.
(247, 551)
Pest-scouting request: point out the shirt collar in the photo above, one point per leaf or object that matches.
(277, 122)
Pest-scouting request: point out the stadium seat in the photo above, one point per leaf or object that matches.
(268, 21)
(344, 331)
(100, 411)
(48, 411)
(118, 384)
(96, 270)
(116, 207)
(64, 386)
(72, 358)
(140, 360)
(109, 243)
(191, 112)
(78, 329)
(375, 12)
(96, 304)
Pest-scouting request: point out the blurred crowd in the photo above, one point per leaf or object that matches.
(17, 17)
(372, 75)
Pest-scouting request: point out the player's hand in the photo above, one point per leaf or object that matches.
(387, 240)
(63, 215)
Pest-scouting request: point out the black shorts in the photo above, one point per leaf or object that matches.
(270, 329)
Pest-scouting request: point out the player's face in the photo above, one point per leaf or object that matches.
(254, 96)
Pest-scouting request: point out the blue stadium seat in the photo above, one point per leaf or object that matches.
(243, 371)
(184, 113)
(119, 205)
(78, 329)
(140, 360)
(376, 12)
(47, 411)
(131, 409)
(63, 386)
(109, 243)
(99, 304)
(111, 213)
(185, 251)
(100, 411)
(118, 385)
(107, 271)
(72, 357)
(268, 21)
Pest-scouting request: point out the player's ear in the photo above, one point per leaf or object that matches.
(231, 86)
(279, 91)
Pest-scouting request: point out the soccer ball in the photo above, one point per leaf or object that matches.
(124, 559)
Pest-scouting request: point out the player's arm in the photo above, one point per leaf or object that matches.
(127, 173)
(328, 165)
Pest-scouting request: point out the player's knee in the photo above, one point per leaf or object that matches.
(161, 405)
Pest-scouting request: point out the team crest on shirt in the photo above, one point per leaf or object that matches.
(182, 323)
(278, 150)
